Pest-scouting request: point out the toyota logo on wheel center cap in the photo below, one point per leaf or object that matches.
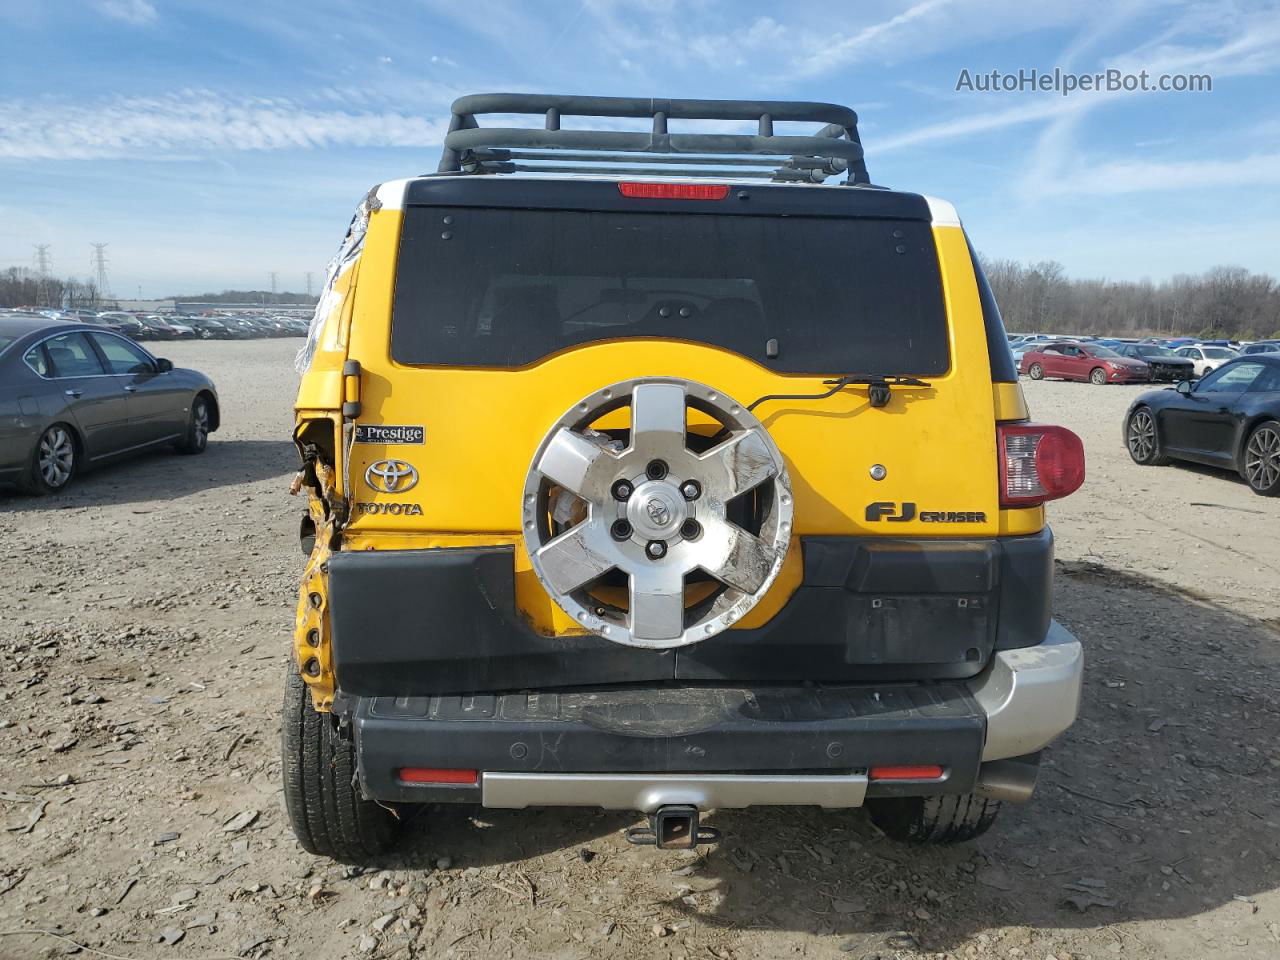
(391, 476)
(658, 512)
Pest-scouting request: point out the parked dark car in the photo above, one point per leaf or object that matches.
(1164, 363)
(74, 395)
(1230, 418)
(130, 326)
(154, 328)
(208, 328)
(1072, 360)
(1261, 346)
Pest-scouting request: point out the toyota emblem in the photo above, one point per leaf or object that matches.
(658, 512)
(391, 476)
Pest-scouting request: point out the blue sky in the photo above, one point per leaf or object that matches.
(212, 141)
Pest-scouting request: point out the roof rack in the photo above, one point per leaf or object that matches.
(832, 150)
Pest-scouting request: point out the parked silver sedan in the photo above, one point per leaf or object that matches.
(73, 396)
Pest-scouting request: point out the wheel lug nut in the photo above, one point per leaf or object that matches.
(690, 529)
(622, 490)
(691, 489)
(656, 470)
(656, 549)
(621, 530)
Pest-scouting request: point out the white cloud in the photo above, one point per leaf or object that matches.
(840, 50)
(1138, 176)
(196, 121)
(137, 12)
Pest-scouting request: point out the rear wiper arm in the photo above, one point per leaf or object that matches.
(879, 389)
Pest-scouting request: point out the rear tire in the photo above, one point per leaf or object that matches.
(1142, 437)
(54, 461)
(196, 439)
(949, 819)
(1035, 372)
(1098, 376)
(321, 797)
(1260, 465)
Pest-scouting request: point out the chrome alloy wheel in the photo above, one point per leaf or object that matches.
(57, 457)
(200, 423)
(1142, 436)
(1262, 458)
(657, 515)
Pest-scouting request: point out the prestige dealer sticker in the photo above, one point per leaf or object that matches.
(388, 433)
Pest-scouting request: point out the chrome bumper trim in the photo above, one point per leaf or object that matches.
(648, 792)
(1030, 695)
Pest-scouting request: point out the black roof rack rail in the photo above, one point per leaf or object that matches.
(831, 150)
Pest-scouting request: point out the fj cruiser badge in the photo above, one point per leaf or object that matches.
(391, 476)
(388, 433)
(902, 512)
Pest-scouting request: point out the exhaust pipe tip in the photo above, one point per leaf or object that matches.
(1012, 780)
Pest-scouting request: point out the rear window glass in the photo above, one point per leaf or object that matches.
(504, 288)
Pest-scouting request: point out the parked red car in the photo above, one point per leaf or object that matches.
(1069, 360)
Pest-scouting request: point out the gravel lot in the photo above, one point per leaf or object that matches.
(144, 631)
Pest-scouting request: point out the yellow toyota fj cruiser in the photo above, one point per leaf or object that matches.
(648, 471)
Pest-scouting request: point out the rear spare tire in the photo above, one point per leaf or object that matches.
(322, 798)
(949, 819)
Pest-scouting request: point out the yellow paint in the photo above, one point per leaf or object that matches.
(482, 427)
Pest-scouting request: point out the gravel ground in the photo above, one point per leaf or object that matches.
(144, 634)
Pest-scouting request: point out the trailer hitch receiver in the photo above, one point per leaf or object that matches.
(673, 827)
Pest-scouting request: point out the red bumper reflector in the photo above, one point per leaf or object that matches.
(432, 775)
(906, 773)
(674, 191)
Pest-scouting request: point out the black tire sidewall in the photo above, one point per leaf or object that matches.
(1274, 489)
(36, 482)
(190, 443)
(1157, 458)
(1095, 379)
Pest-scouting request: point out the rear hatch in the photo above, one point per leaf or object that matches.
(512, 300)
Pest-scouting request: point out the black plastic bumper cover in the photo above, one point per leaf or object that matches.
(422, 622)
(669, 729)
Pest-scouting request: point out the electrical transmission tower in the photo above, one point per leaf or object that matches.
(99, 260)
(43, 264)
(308, 283)
(274, 277)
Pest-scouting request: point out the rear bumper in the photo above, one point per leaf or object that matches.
(419, 623)
(641, 747)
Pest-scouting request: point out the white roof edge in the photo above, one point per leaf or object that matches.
(942, 213)
(391, 193)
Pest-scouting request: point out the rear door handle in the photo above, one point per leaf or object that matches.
(130, 388)
(74, 393)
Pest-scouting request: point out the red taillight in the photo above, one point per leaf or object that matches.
(1038, 463)
(674, 191)
(906, 773)
(434, 775)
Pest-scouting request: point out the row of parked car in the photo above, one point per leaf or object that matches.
(210, 326)
(1104, 360)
